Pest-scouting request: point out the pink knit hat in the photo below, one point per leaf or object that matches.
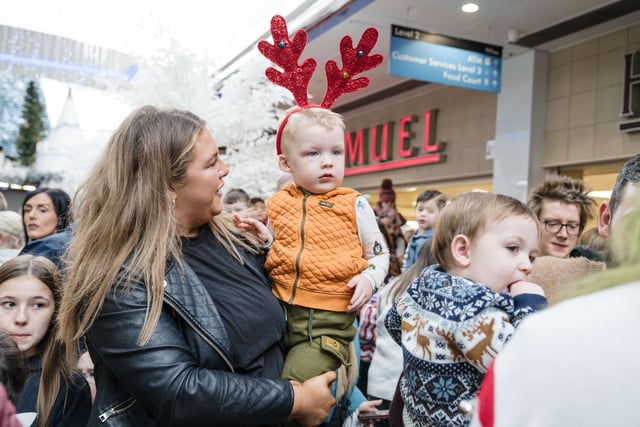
(386, 192)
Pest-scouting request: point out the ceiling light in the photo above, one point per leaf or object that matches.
(470, 7)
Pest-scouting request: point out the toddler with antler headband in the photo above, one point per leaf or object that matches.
(328, 256)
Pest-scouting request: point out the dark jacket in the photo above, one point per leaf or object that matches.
(183, 375)
(72, 405)
(52, 246)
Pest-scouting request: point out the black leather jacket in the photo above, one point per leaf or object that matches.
(183, 375)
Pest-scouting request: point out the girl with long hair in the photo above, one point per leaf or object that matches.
(30, 292)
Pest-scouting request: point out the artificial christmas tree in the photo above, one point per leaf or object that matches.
(34, 127)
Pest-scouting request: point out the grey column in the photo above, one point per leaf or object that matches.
(520, 124)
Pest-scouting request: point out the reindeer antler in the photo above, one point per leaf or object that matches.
(354, 61)
(286, 53)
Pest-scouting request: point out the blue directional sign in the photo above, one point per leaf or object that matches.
(420, 55)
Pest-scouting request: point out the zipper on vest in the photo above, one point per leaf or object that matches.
(299, 256)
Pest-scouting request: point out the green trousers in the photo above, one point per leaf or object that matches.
(316, 341)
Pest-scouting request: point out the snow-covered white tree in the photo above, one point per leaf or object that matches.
(242, 111)
(250, 107)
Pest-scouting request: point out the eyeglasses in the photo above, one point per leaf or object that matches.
(573, 228)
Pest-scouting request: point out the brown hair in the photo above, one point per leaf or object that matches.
(439, 199)
(51, 350)
(425, 258)
(563, 189)
(13, 367)
(468, 214)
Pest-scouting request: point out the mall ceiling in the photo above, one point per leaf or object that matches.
(516, 25)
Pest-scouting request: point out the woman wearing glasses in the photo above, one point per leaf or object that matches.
(563, 208)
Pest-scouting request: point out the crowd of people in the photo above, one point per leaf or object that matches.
(217, 309)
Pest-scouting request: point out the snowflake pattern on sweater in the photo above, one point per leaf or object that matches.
(450, 329)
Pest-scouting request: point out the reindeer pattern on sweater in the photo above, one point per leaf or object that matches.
(450, 329)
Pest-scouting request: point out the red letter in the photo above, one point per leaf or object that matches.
(374, 143)
(404, 135)
(354, 149)
(430, 144)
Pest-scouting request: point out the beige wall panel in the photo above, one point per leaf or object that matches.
(582, 109)
(631, 143)
(608, 141)
(608, 104)
(581, 143)
(555, 150)
(634, 34)
(595, 103)
(584, 49)
(583, 75)
(561, 56)
(557, 114)
(610, 67)
(559, 81)
(614, 40)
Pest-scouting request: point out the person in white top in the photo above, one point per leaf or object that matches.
(575, 364)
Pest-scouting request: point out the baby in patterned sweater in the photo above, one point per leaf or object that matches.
(458, 314)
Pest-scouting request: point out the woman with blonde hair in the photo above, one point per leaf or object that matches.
(179, 317)
(11, 235)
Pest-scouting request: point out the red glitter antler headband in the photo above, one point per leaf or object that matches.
(286, 53)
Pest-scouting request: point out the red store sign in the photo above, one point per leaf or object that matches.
(380, 148)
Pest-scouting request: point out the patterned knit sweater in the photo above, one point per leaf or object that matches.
(450, 329)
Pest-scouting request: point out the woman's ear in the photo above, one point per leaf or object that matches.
(172, 196)
(283, 163)
(460, 248)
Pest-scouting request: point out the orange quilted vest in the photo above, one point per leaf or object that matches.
(316, 250)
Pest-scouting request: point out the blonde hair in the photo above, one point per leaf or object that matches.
(125, 224)
(11, 227)
(309, 116)
(592, 239)
(468, 214)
